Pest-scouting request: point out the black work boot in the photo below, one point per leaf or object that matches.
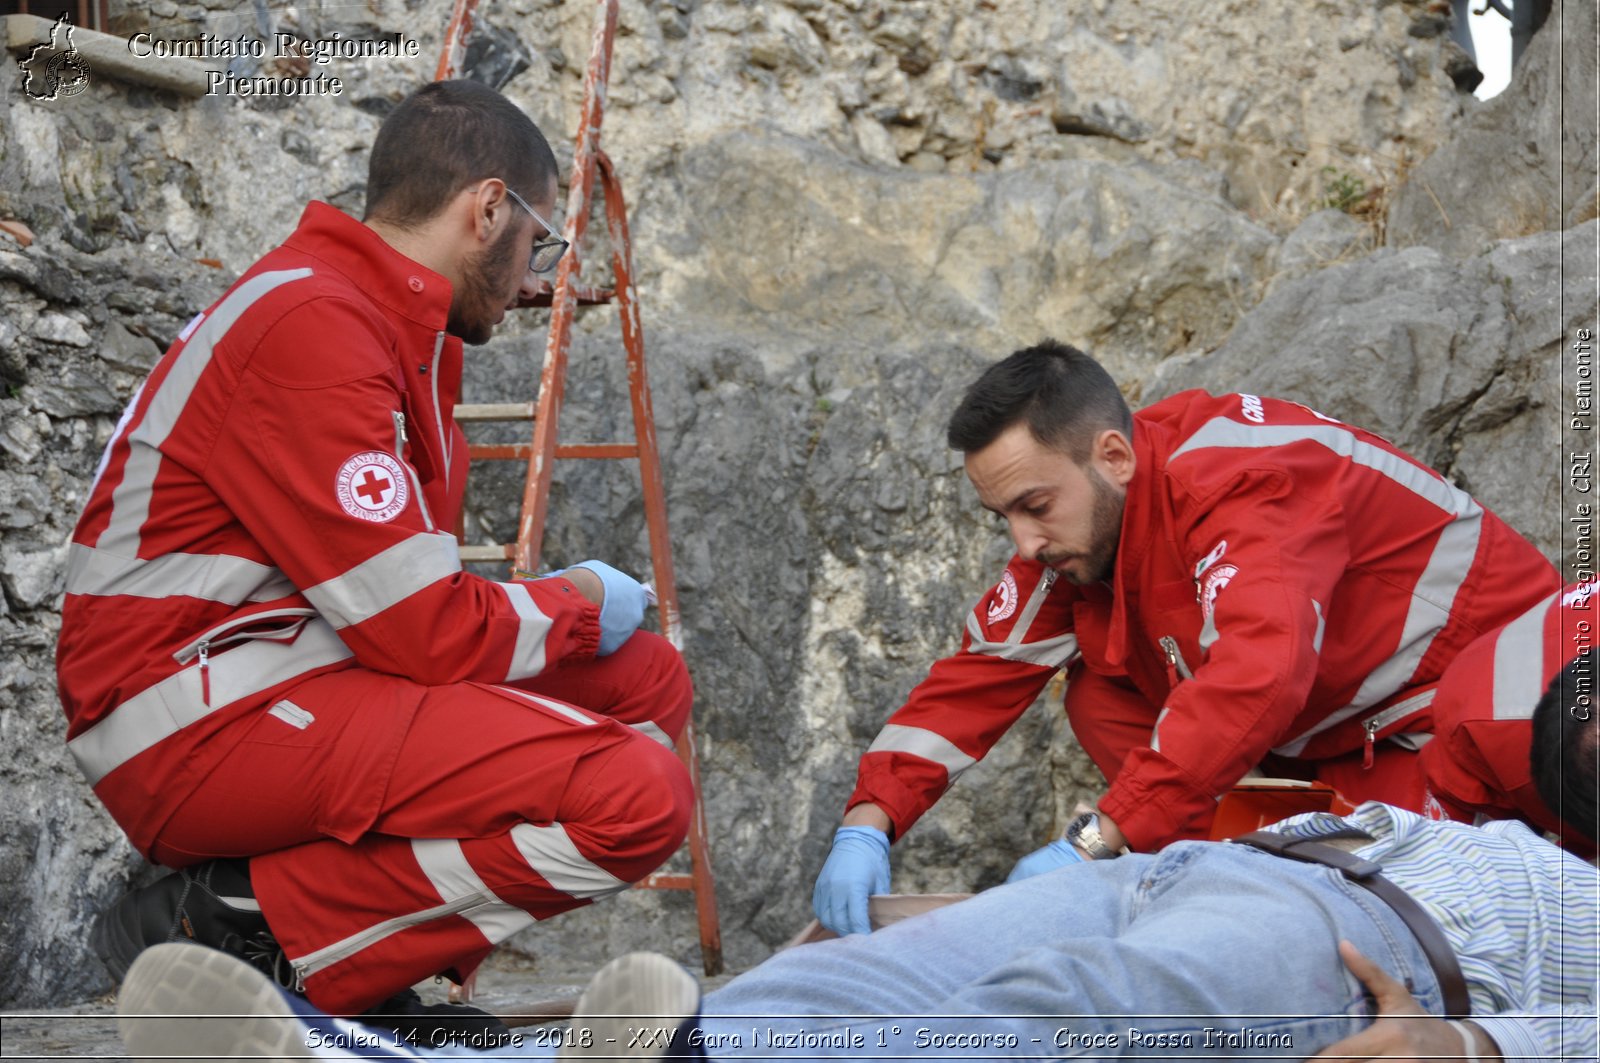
(211, 904)
(437, 1025)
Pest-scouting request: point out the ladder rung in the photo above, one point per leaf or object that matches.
(582, 293)
(500, 451)
(598, 450)
(494, 411)
(484, 552)
(664, 881)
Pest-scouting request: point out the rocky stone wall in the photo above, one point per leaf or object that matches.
(841, 210)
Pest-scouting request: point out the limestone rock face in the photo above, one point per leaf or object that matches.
(1122, 255)
(841, 211)
(1523, 162)
(1264, 94)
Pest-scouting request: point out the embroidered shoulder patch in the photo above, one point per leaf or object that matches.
(1216, 579)
(372, 486)
(1212, 558)
(1005, 598)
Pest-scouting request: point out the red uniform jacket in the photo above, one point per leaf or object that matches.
(274, 504)
(1284, 582)
(1483, 712)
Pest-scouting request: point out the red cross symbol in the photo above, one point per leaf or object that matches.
(373, 487)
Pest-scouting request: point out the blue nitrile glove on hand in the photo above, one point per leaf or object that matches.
(857, 867)
(623, 608)
(1058, 853)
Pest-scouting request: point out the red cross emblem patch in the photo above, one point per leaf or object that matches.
(1004, 602)
(372, 486)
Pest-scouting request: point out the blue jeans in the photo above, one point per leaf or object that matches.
(1201, 950)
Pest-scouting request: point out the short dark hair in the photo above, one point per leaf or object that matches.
(1566, 745)
(444, 137)
(1065, 397)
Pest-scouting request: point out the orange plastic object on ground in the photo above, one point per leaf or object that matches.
(1262, 802)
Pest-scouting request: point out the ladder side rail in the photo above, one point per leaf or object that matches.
(655, 508)
(553, 375)
(454, 49)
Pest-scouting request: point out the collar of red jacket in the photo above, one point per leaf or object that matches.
(1135, 541)
(399, 284)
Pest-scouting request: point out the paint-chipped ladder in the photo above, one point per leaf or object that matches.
(564, 298)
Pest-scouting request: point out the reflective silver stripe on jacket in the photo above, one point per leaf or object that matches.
(1041, 591)
(547, 850)
(177, 701)
(323, 958)
(385, 579)
(896, 738)
(554, 855)
(447, 868)
(1519, 663)
(1054, 652)
(528, 656)
(221, 578)
(1435, 591)
(558, 707)
(654, 731)
(130, 499)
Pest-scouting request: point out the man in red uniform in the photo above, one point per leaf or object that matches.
(1477, 766)
(1224, 578)
(370, 765)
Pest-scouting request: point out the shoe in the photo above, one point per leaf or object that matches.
(210, 904)
(638, 1006)
(405, 1017)
(181, 1002)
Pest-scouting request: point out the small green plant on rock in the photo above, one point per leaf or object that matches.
(1341, 190)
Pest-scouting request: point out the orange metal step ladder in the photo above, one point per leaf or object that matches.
(564, 298)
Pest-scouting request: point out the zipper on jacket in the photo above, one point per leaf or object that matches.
(351, 946)
(1176, 666)
(1378, 721)
(227, 632)
(204, 651)
(438, 415)
(400, 439)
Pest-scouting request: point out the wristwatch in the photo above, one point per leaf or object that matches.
(1084, 832)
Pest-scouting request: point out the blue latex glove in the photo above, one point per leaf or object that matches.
(623, 608)
(857, 867)
(1057, 854)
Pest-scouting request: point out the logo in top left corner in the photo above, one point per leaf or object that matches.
(372, 486)
(55, 69)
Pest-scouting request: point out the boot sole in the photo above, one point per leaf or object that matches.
(638, 1006)
(182, 1001)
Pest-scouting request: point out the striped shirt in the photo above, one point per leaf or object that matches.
(1522, 916)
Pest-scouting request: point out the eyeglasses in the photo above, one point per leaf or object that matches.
(545, 253)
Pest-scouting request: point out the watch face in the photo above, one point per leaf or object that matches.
(1084, 832)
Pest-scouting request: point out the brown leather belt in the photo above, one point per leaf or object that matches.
(1365, 873)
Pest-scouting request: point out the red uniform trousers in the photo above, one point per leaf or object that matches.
(504, 805)
(1111, 719)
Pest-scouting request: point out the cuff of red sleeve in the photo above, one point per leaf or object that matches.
(585, 630)
(898, 801)
(1145, 815)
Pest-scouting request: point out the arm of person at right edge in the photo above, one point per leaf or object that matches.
(1404, 1031)
(947, 724)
